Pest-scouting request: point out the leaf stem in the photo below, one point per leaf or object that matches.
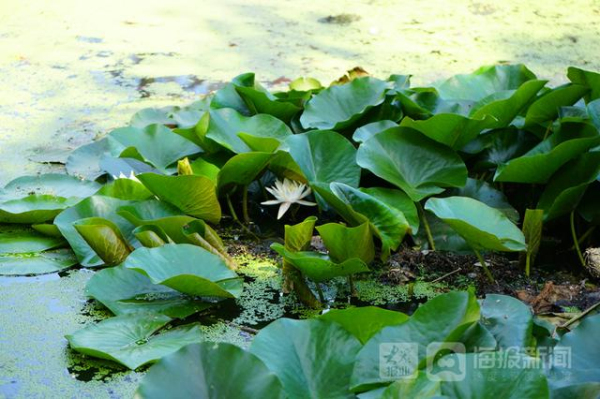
(237, 220)
(426, 225)
(320, 292)
(527, 263)
(575, 240)
(245, 213)
(485, 268)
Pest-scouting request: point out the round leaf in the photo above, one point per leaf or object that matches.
(210, 370)
(339, 107)
(415, 163)
(186, 268)
(483, 227)
(130, 339)
(312, 358)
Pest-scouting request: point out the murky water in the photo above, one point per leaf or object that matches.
(72, 70)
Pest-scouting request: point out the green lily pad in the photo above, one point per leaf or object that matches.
(51, 184)
(197, 371)
(284, 345)
(130, 339)
(25, 241)
(34, 209)
(537, 165)
(518, 381)
(365, 132)
(263, 102)
(85, 160)
(567, 186)
(486, 193)
(157, 144)
(586, 78)
(482, 226)
(509, 320)
(324, 157)
(186, 268)
(94, 206)
(159, 214)
(125, 291)
(345, 243)
(242, 169)
(126, 189)
(408, 159)
(36, 263)
(339, 107)
(581, 347)
(151, 236)
(546, 108)
(387, 221)
(225, 125)
(194, 195)
(453, 130)
(105, 239)
(505, 106)
(372, 320)
(442, 319)
(484, 82)
(319, 267)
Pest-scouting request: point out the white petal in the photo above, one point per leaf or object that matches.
(283, 209)
(307, 203)
(271, 202)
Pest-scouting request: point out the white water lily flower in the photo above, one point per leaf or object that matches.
(287, 193)
(124, 176)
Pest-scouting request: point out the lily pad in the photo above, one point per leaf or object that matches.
(85, 160)
(130, 339)
(546, 108)
(365, 132)
(36, 263)
(34, 209)
(94, 206)
(567, 186)
(105, 239)
(25, 241)
(486, 193)
(442, 319)
(157, 144)
(484, 82)
(537, 165)
(57, 185)
(387, 222)
(482, 226)
(339, 107)
(159, 214)
(418, 165)
(345, 243)
(285, 346)
(453, 130)
(225, 125)
(509, 320)
(126, 189)
(319, 267)
(186, 268)
(242, 169)
(372, 320)
(125, 291)
(194, 195)
(197, 371)
(325, 157)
